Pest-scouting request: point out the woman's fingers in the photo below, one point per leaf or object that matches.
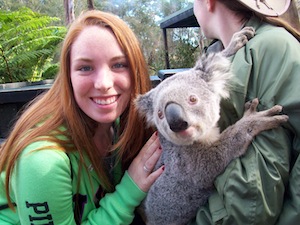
(150, 146)
(150, 160)
(153, 176)
(141, 169)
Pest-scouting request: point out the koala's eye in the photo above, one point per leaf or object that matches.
(193, 99)
(160, 114)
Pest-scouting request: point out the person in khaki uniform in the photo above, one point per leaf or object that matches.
(262, 187)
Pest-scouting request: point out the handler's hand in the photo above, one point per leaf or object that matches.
(141, 168)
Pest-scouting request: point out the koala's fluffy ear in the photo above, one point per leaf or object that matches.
(215, 70)
(219, 83)
(144, 105)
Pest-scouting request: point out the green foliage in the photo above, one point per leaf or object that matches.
(184, 47)
(28, 44)
(143, 16)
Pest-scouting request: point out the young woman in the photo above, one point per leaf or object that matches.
(74, 156)
(261, 187)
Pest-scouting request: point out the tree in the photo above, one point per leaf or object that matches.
(53, 8)
(69, 11)
(90, 4)
(143, 17)
(28, 43)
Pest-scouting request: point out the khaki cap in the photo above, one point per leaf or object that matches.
(267, 7)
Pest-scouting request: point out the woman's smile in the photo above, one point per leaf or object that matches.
(105, 100)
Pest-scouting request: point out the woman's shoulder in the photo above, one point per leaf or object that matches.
(41, 162)
(269, 36)
(44, 152)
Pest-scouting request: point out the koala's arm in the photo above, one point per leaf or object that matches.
(251, 124)
(235, 140)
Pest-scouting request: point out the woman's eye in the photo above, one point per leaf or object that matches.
(120, 65)
(85, 68)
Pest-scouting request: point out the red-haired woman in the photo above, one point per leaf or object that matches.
(76, 154)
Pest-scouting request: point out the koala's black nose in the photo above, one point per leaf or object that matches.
(175, 117)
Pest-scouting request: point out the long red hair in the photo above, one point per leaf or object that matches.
(57, 107)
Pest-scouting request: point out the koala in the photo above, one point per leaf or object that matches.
(185, 109)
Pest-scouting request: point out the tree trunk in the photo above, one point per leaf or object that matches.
(69, 10)
(90, 4)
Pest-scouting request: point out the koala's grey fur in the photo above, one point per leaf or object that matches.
(185, 109)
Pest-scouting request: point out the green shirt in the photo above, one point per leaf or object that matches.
(44, 187)
(263, 186)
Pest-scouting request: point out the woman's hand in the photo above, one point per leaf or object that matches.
(141, 168)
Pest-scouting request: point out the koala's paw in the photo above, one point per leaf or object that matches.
(257, 122)
(238, 40)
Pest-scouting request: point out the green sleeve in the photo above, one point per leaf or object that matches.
(42, 188)
(118, 207)
(7, 216)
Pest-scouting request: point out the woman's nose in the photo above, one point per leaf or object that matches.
(104, 79)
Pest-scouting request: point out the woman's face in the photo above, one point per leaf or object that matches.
(100, 74)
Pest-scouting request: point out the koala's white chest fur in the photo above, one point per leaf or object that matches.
(186, 161)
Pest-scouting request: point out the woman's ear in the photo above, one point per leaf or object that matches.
(210, 4)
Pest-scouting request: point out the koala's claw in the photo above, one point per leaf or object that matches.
(251, 108)
(239, 39)
(263, 120)
(249, 32)
(251, 105)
